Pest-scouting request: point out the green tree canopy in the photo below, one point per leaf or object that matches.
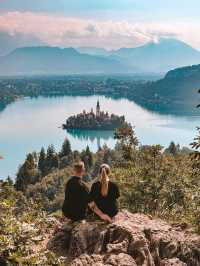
(173, 148)
(27, 173)
(66, 148)
(87, 158)
(41, 161)
(127, 139)
(52, 160)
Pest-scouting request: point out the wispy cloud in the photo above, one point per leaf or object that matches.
(71, 31)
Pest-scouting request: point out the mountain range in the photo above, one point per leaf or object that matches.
(156, 57)
(153, 57)
(159, 56)
(54, 60)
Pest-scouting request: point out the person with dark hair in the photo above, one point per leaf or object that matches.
(76, 195)
(103, 195)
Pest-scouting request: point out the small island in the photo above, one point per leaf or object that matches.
(94, 121)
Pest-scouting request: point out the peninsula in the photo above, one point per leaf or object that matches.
(94, 121)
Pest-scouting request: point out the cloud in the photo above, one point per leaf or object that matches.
(71, 31)
(9, 42)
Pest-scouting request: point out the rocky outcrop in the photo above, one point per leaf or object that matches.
(132, 239)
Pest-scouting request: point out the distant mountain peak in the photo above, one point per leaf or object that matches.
(30, 49)
(167, 42)
(159, 55)
(54, 60)
(92, 50)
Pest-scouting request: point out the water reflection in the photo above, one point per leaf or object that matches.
(28, 124)
(100, 137)
(3, 105)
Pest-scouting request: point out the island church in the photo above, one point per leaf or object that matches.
(98, 112)
(98, 120)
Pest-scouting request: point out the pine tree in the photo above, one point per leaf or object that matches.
(52, 160)
(30, 161)
(173, 148)
(89, 157)
(27, 174)
(66, 148)
(41, 162)
(35, 156)
(49, 157)
(55, 161)
(9, 181)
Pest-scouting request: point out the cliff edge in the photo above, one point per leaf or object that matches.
(131, 240)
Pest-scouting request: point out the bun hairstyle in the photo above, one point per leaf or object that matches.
(79, 166)
(104, 173)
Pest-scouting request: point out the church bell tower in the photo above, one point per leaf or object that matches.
(98, 109)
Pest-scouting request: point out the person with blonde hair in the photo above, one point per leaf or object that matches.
(103, 195)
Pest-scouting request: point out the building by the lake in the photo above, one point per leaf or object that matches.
(98, 120)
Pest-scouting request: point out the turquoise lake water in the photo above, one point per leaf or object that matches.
(28, 124)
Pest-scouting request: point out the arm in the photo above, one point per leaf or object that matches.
(64, 206)
(93, 206)
(98, 212)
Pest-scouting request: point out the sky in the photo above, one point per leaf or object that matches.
(110, 24)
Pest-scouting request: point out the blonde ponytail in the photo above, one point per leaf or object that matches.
(104, 179)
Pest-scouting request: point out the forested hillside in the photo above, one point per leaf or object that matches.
(163, 183)
(176, 93)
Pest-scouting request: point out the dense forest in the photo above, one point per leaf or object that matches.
(176, 93)
(160, 182)
(13, 88)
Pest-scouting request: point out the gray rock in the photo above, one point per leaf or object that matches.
(172, 262)
(132, 239)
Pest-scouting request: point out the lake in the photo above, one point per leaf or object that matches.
(28, 124)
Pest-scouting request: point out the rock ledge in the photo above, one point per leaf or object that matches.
(131, 240)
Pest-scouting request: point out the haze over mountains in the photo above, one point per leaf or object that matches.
(153, 57)
(54, 60)
(178, 91)
(159, 56)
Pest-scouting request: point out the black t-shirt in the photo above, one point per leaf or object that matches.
(107, 204)
(76, 199)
